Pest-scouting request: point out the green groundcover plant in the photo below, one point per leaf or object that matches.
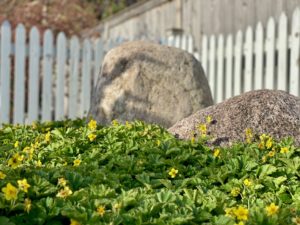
(73, 172)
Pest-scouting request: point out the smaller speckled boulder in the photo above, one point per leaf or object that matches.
(265, 111)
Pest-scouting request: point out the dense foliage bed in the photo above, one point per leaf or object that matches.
(76, 173)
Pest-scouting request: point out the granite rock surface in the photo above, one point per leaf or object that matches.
(150, 82)
(276, 113)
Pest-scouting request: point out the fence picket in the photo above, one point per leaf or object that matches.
(237, 88)
(86, 78)
(220, 70)
(5, 72)
(204, 54)
(34, 69)
(211, 64)
(282, 53)
(259, 51)
(190, 44)
(61, 51)
(228, 73)
(19, 80)
(295, 57)
(183, 43)
(248, 52)
(47, 76)
(73, 83)
(270, 55)
(99, 53)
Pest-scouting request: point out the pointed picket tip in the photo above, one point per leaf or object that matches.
(296, 13)
(282, 17)
(259, 26)
(20, 26)
(34, 31)
(48, 34)
(270, 24)
(249, 30)
(6, 23)
(61, 35)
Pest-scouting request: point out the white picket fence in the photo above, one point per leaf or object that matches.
(50, 81)
(54, 80)
(257, 59)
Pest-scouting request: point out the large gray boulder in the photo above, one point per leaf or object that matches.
(265, 111)
(150, 82)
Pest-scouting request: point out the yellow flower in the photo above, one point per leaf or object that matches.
(208, 119)
(229, 212)
(76, 162)
(284, 150)
(92, 137)
(2, 175)
(271, 153)
(115, 123)
(269, 143)
(241, 213)
(10, 192)
(23, 185)
(296, 220)
(92, 125)
(63, 193)
(272, 209)
(263, 137)
(203, 129)
(158, 142)
(235, 191)
(16, 144)
(217, 153)
(101, 210)
(27, 205)
(249, 135)
(128, 125)
(62, 182)
(74, 222)
(47, 136)
(192, 140)
(264, 158)
(15, 161)
(173, 172)
(247, 182)
(38, 163)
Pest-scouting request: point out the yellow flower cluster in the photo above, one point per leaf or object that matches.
(216, 152)
(65, 191)
(240, 213)
(11, 193)
(92, 137)
(266, 141)
(272, 209)
(47, 137)
(247, 182)
(249, 135)
(173, 172)
(235, 191)
(15, 161)
(74, 222)
(92, 125)
(101, 210)
(76, 162)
